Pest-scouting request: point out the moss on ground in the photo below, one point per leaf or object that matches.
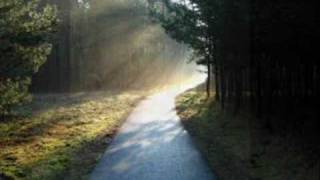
(237, 149)
(63, 137)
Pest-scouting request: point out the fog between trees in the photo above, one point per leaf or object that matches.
(109, 44)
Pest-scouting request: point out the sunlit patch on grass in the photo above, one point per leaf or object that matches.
(64, 137)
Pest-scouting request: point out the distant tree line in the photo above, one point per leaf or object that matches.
(258, 53)
(107, 45)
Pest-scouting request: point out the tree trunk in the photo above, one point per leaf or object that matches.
(208, 89)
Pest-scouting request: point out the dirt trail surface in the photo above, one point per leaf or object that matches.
(153, 145)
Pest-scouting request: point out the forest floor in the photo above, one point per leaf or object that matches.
(61, 136)
(238, 150)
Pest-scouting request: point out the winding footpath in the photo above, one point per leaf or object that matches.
(153, 145)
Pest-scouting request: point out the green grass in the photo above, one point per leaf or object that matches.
(63, 137)
(236, 148)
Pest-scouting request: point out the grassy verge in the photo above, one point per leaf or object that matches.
(63, 137)
(237, 149)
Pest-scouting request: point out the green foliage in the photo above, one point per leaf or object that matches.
(25, 29)
(195, 23)
(180, 23)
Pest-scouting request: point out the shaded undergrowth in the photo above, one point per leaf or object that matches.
(238, 148)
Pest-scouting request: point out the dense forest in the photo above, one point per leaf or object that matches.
(260, 55)
(261, 58)
(97, 39)
(73, 46)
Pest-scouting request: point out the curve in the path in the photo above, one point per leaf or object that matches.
(153, 145)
